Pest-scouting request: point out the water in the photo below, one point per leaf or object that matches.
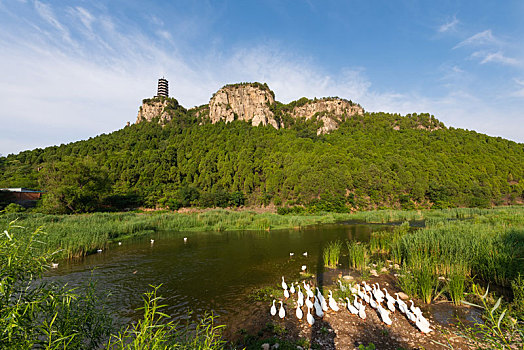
(211, 272)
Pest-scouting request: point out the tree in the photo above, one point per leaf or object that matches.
(74, 186)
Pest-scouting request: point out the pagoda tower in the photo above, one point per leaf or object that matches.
(163, 87)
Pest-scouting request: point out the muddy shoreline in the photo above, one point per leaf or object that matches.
(342, 330)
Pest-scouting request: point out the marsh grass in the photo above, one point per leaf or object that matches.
(331, 254)
(358, 255)
(154, 331)
(456, 284)
(79, 235)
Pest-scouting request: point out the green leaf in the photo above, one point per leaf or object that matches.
(486, 294)
(497, 304)
(471, 304)
(501, 317)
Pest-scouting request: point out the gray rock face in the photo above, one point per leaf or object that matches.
(331, 111)
(244, 102)
(153, 109)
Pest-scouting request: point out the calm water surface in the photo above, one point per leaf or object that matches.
(211, 272)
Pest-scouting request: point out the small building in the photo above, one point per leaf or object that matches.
(23, 196)
(163, 87)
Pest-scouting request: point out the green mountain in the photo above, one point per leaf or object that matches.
(246, 148)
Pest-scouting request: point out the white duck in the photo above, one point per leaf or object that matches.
(359, 292)
(318, 308)
(372, 302)
(299, 312)
(401, 304)
(423, 326)
(305, 254)
(415, 309)
(411, 316)
(281, 312)
(362, 312)
(357, 304)
(292, 288)
(380, 293)
(286, 293)
(309, 317)
(353, 290)
(351, 308)
(391, 305)
(322, 301)
(389, 298)
(309, 292)
(342, 287)
(273, 310)
(309, 303)
(333, 303)
(366, 286)
(300, 295)
(291, 254)
(366, 298)
(284, 284)
(384, 314)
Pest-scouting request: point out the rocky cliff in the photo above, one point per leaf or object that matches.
(248, 102)
(330, 111)
(255, 103)
(157, 107)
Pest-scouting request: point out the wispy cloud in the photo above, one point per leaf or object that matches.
(483, 38)
(494, 57)
(84, 15)
(449, 26)
(91, 77)
(45, 11)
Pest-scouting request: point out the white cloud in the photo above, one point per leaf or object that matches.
(84, 15)
(449, 26)
(45, 11)
(494, 57)
(60, 93)
(483, 38)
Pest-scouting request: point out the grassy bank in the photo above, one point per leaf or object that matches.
(77, 235)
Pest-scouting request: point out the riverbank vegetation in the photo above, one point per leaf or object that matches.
(365, 164)
(78, 235)
(39, 315)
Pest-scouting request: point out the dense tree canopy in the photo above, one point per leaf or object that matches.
(374, 160)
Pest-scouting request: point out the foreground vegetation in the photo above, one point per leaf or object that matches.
(375, 160)
(37, 315)
(453, 256)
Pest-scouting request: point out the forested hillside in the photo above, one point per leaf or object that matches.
(373, 160)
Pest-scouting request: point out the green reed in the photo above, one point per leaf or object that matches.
(358, 254)
(78, 235)
(331, 254)
(456, 284)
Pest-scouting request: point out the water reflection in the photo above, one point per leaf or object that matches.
(210, 272)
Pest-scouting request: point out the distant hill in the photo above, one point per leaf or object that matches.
(246, 148)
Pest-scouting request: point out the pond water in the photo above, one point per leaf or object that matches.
(216, 271)
(212, 271)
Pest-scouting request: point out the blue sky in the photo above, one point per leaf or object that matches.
(71, 70)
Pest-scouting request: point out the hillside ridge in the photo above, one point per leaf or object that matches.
(255, 103)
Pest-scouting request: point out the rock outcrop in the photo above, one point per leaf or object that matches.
(248, 102)
(331, 111)
(254, 103)
(156, 107)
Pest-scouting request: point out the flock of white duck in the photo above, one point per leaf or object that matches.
(370, 295)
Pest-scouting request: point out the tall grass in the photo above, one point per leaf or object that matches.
(456, 284)
(331, 254)
(155, 332)
(358, 255)
(78, 235)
